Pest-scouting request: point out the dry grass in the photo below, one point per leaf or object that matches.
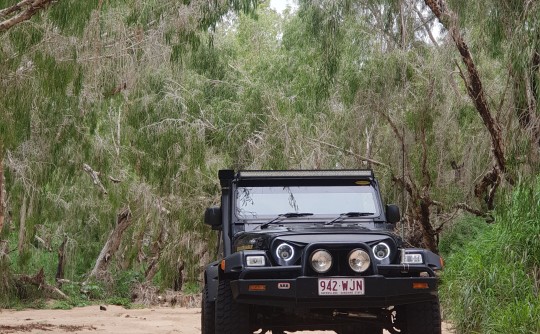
(148, 295)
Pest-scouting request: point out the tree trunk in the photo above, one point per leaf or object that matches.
(476, 92)
(472, 80)
(61, 263)
(420, 214)
(139, 245)
(2, 201)
(3, 243)
(22, 226)
(428, 233)
(155, 254)
(179, 279)
(113, 242)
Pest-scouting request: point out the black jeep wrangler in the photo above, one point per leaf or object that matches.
(314, 250)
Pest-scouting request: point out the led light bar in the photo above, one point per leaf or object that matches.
(305, 173)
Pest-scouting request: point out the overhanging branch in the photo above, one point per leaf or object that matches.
(350, 152)
(20, 12)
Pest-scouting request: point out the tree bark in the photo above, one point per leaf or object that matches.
(15, 8)
(179, 279)
(421, 212)
(3, 243)
(113, 242)
(61, 263)
(22, 226)
(488, 186)
(428, 233)
(24, 9)
(2, 201)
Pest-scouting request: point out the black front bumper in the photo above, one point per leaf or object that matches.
(302, 292)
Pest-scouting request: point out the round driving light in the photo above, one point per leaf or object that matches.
(321, 261)
(359, 260)
(285, 252)
(381, 251)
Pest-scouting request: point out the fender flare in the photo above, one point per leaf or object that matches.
(211, 280)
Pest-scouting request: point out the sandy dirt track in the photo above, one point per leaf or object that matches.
(115, 320)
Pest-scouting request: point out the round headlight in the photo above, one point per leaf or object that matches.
(359, 260)
(321, 261)
(381, 251)
(285, 252)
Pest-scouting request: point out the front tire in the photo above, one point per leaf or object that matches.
(420, 318)
(231, 317)
(360, 329)
(208, 313)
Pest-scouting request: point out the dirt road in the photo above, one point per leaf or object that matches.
(113, 320)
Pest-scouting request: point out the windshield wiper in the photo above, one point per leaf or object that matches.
(349, 215)
(282, 216)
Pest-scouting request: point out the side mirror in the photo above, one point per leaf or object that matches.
(392, 214)
(212, 217)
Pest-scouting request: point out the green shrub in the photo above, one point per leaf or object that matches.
(6, 283)
(464, 230)
(490, 285)
(191, 288)
(93, 290)
(123, 284)
(61, 305)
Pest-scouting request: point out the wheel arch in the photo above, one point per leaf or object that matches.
(211, 279)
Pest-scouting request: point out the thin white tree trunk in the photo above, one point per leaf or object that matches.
(22, 226)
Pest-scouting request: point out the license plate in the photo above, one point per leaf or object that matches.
(341, 286)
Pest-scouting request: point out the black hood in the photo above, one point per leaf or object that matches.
(262, 239)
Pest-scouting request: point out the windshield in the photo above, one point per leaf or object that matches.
(327, 201)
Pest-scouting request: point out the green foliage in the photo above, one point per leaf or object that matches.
(466, 116)
(61, 305)
(191, 288)
(462, 232)
(94, 290)
(213, 11)
(143, 13)
(25, 38)
(490, 285)
(73, 301)
(38, 303)
(6, 283)
(72, 16)
(122, 287)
